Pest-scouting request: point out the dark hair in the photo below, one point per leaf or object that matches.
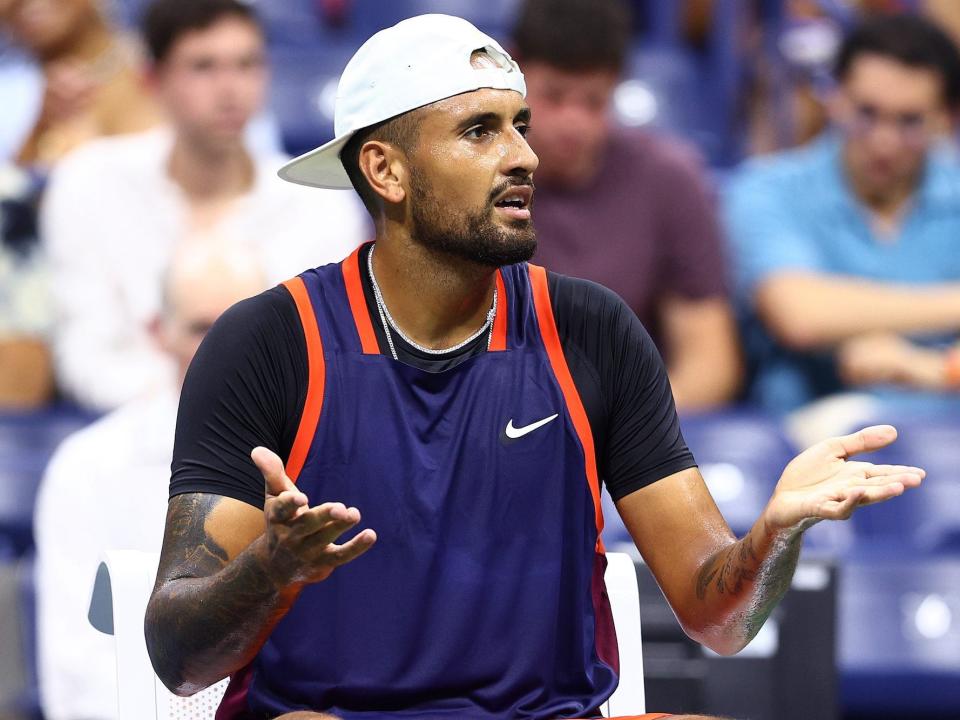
(164, 21)
(574, 35)
(908, 39)
(401, 131)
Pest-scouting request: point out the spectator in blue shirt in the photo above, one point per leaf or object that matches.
(854, 240)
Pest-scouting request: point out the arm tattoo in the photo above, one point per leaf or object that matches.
(749, 580)
(208, 615)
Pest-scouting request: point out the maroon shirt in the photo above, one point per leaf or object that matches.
(645, 227)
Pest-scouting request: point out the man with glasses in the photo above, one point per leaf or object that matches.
(846, 250)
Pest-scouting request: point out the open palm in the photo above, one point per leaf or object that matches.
(822, 483)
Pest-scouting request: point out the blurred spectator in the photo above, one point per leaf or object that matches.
(855, 235)
(26, 370)
(624, 208)
(115, 207)
(92, 76)
(106, 488)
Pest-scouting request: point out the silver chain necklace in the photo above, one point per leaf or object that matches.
(388, 322)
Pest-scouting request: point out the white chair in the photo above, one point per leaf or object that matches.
(125, 580)
(621, 581)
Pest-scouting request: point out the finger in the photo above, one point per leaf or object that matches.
(285, 506)
(327, 522)
(881, 493)
(843, 508)
(271, 467)
(353, 548)
(866, 440)
(879, 471)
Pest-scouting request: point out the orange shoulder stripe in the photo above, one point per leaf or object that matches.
(358, 303)
(499, 339)
(581, 423)
(316, 377)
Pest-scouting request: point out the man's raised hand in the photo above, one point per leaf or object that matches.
(821, 483)
(300, 539)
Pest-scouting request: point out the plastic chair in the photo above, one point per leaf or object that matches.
(125, 580)
(621, 580)
(122, 588)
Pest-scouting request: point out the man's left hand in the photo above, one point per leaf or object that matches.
(822, 483)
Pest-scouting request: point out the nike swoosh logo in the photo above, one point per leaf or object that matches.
(514, 432)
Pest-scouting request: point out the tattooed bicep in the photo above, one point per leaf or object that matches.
(205, 532)
(188, 549)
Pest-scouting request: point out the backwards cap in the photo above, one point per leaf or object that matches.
(416, 62)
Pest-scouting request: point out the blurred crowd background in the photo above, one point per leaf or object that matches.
(772, 185)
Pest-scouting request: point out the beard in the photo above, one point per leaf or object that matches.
(471, 236)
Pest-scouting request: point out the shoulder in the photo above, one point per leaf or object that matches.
(789, 169)
(270, 315)
(112, 441)
(660, 153)
(574, 297)
(595, 319)
(269, 186)
(112, 157)
(943, 176)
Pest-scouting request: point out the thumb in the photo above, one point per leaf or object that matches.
(271, 467)
(866, 440)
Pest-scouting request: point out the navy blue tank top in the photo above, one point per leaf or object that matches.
(483, 596)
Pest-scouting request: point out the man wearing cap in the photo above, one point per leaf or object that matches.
(468, 404)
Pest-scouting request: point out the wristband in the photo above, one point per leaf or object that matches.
(951, 368)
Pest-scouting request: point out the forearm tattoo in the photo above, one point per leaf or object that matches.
(208, 615)
(750, 576)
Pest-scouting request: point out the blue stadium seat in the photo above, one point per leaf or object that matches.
(30, 700)
(492, 16)
(304, 89)
(290, 21)
(928, 518)
(899, 629)
(741, 454)
(26, 442)
(661, 90)
(284, 21)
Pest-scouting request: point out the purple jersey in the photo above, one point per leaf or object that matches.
(484, 595)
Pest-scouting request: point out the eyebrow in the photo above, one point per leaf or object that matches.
(485, 118)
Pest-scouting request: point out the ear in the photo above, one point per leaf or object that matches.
(150, 76)
(944, 121)
(385, 168)
(838, 105)
(158, 332)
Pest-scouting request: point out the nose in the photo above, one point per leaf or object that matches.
(519, 160)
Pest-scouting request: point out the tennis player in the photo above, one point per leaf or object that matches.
(469, 405)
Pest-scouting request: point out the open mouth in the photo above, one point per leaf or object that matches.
(515, 202)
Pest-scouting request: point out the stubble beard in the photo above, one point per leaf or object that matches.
(470, 236)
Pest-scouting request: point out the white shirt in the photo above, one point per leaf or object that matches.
(105, 488)
(110, 221)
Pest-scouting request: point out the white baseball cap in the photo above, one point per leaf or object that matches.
(416, 62)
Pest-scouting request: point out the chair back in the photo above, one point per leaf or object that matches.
(121, 591)
(125, 580)
(621, 581)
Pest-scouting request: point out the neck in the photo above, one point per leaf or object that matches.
(887, 202)
(437, 300)
(208, 174)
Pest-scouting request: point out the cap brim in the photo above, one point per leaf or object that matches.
(319, 168)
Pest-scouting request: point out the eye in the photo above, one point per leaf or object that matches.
(476, 132)
(523, 129)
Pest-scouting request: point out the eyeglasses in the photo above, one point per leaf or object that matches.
(912, 127)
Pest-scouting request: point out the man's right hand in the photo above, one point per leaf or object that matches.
(299, 539)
